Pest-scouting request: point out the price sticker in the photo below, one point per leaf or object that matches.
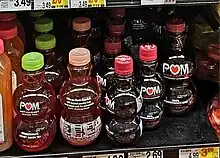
(15, 5)
(42, 4)
(209, 152)
(117, 155)
(157, 2)
(96, 3)
(79, 4)
(59, 3)
(146, 154)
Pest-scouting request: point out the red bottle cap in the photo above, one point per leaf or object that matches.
(116, 28)
(123, 65)
(7, 16)
(117, 12)
(1, 46)
(81, 24)
(8, 30)
(176, 25)
(112, 45)
(148, 52)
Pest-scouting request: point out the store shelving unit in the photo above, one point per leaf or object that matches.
(175, 133)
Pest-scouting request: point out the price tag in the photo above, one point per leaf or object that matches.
(146, 154)
(15, 5)
(59, 3)
(96, 3)
(79, 4)
(157, 2)
(42, 4)
(209, 152)
(117, 155)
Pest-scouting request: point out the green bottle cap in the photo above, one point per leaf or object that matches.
(45, 42)
(32, 61)
(43, 25)
(37, 14)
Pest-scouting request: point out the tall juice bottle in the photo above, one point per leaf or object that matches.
(34, 101)
(6, 138)
(55, 72)
(80, 96)
(12, 17)
(14, 48)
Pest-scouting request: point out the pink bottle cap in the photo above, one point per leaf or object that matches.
(148, 52)
(81, 24)
(116, 28)
(8, 30)
(118, 12)
(214, 51)
(123, 65)
(7, 16)
(176, 25)
(1, 46)
(112, 45)
(79, 56)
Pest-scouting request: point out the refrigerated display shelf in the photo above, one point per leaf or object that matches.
(174, 133)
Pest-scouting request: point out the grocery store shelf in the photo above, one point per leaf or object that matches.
(191, 131)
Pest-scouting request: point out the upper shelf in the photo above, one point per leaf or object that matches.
(22, 5)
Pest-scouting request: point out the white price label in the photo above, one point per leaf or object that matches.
(15, 5)
(42, 4)
(79, 4)
(117, 155)
(157, 2)
(206, 152)
(146, 154)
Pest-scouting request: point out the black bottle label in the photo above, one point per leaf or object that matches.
(178, 68)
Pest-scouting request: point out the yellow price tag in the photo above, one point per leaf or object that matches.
(209, 152)
(59, 3)
(96, 3)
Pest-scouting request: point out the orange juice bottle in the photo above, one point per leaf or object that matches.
(5, 100)
(14, 47)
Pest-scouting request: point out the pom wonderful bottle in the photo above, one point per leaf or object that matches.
(34, 101)
(80, 96)
(151, 86)
(123, 103)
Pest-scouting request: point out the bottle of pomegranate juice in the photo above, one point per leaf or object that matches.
(178, 70)
(80, 122)
(151, 87)
(123, 103)
(34, 101)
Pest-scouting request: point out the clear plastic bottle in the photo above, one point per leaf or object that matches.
(80, 96)
(177, 70)
(34, 103)
(151, 87)
(123, 103)
(82, 33)
(6, 138)
(12, 17)
(213, 110)
(14, 48)
(105, 76)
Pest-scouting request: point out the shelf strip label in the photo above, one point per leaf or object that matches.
(16, 5)
(207, 152)
(116, 155)
(87, 3)
(50, 4)
(146, 154)
(157, 2)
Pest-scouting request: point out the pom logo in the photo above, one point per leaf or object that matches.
(30, 106)
(110, 104)
(151, 91)
(100, 80)
(181, 69)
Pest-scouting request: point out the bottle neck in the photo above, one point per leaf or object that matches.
(81, 38)
(148, 69)
(33, 80)
(49, 58)
(80, 74)
(109, 60)
(176, 41)
(124, 82)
